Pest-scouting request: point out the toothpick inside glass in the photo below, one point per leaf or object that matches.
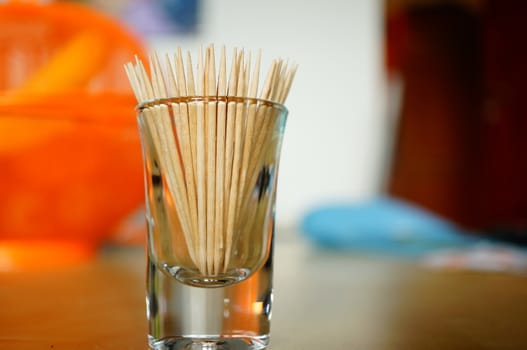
(211, 163)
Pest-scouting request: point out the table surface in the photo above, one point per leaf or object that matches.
(323, 300)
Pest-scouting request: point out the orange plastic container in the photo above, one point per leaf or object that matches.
(70, 162)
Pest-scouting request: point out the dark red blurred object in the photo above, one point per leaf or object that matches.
(462, 133)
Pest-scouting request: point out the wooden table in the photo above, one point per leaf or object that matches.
(322, 301)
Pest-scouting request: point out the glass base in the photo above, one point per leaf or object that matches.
(209, 343)
(184, 316)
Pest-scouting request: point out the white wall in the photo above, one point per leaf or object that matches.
(332, 147)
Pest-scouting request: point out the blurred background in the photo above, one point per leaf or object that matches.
(406, 130)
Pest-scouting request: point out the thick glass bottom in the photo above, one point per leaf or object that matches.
(209, 343)
(197, 280)
(186, 316)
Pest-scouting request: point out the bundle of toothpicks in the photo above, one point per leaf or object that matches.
(209, 150)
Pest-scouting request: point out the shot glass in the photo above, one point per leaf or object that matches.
(211, 166)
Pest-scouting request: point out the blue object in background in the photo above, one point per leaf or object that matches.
(383, 225)
(183, 13)
(161, 17)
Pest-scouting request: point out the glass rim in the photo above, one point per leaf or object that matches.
(227, 99)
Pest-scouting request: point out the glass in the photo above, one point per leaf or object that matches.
(211, 166)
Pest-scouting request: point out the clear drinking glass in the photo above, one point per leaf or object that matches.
(211, 166)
